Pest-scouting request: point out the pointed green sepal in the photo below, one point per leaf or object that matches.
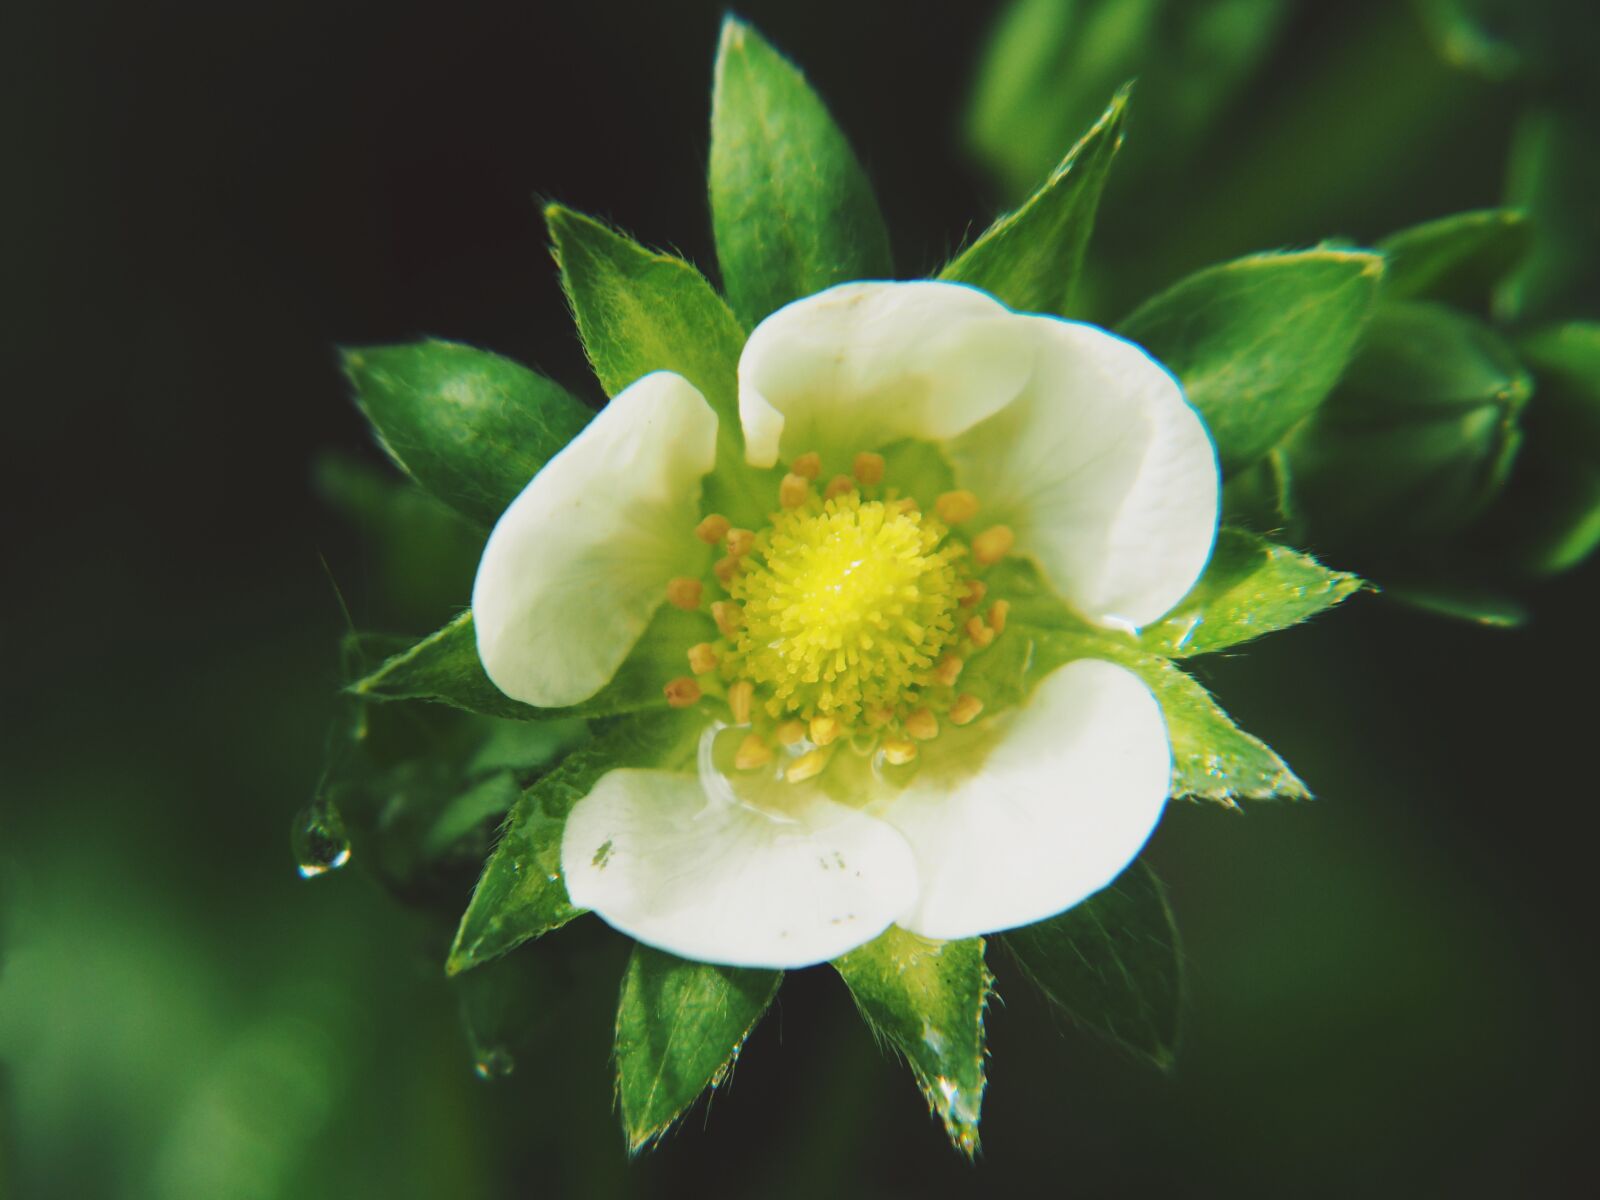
(1459, 258)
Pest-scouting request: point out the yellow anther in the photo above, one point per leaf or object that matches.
(877, 718)
(980, 633)
(740, 542)
(922, 725)
(740, 696)
(682, 692)
(965, 709)
(825, 730)
(793, 491)
(948, 670)
(728, 616)
(791, 732)
(725, 569)
(838, 486)
(867, 468)
(955, 507)
(998, 611)
(807, 766)
(899, 751)
(753, 752)
(702, 658)
(713, 529)
(684, 593)
(974, 593)
(808, 465)
(993, 544)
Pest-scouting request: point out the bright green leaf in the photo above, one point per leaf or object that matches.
(926, 999)
(1458, 258)
(680, 1026)
(1259, 342)
(521, 893)
(469, 426)
(1250, 587)
(1031, 259)
(444, 668)
(791, 207)
(1113, 964)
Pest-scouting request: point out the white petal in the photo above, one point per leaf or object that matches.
(1103, 471)
(678, 869)
(580, 561)
(864, 364)
(1044, 807)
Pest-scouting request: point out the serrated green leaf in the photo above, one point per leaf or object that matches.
(1260, 341)
(1418, 438)
(680, 1026)
(469, 426)
(1458, 258)
(444, 668)
(926, 999)
(521, 893)
(1113, 964)
(1250, 587)
(1031, 259)
(792, 210)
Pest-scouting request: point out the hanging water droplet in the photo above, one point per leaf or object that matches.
(494, 1062)
(320, 842)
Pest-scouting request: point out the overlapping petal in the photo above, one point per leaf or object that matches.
(579, 562)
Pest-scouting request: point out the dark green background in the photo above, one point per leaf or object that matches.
(1392, 987)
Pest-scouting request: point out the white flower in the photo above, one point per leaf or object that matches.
(845, 781)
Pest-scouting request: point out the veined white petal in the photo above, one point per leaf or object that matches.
(1103, 471)
(577, 565)
(1023, 818)
(662, 859)
(865, 364)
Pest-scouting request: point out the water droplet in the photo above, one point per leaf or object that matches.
(494, 1062)
(320, 842)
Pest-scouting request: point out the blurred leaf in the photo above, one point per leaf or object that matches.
(1458, 258)
(1050, 63)
(468, 810)
(1567, 360)
(1474, 35)
(1113, 964)
(926, 999)
(1418, 438)
(502, 1006)
(680, 1026)
(1250, 587)
(469, 426)
(1031, 259)
(1261, 497)
(444, 668)
(1259, 342)
(1462, 602)
(1554, 175)
(792, 210)
(522, 894)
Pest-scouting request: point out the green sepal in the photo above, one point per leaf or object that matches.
(1250, 587)
(522, 893)
(680, 1026)
(640, 311)
(445, 668)
(1031, 259)
(1113, 964)
(1459, 258)
(469, 426)
(792, 210)
(926, 999)
(1259, 342)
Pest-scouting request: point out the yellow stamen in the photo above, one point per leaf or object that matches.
(993, 544)
(728, 616)
(790, 733)
(965, 709)
(877, 718)
(793, 491)
(948, 670)
(825, 730)
(713, 529)
(838, 486)
(980, 633)
(867, 468)
(740, 542)
(899, 751)
(753, 752)
(956, 507)
(808, 465)
(922, 725)
(740, 696)
(684, 593)
(725, 569)
(908, 505)
(682, 692)
(807, 766)
(702, 658)
(998, 611)
(974, 594)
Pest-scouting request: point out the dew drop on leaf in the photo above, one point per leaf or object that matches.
(320, 842)
(494, 1062)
